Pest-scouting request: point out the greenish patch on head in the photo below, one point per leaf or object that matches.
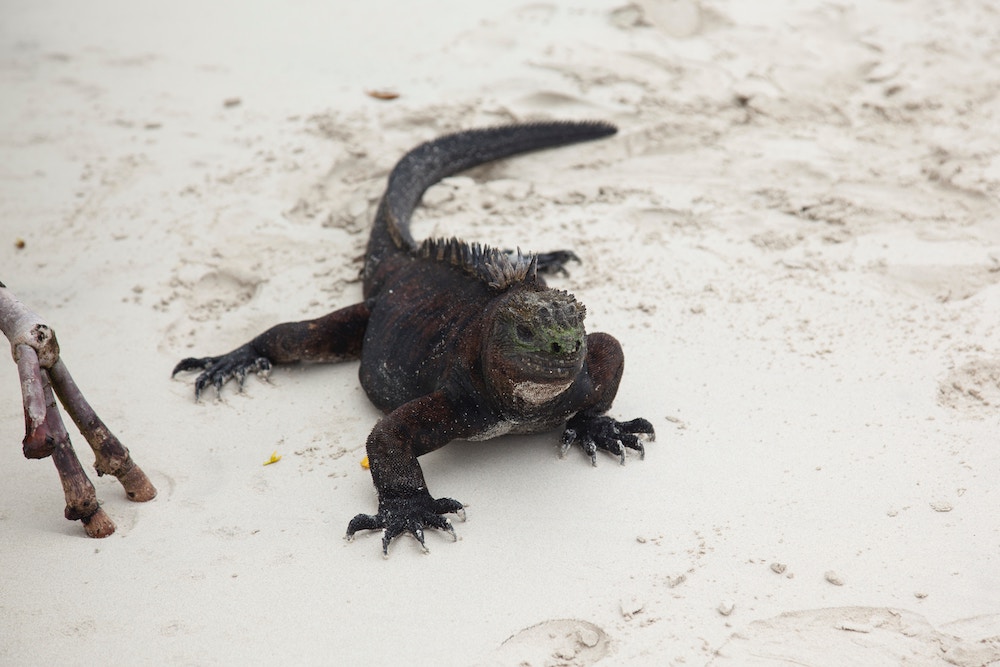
(546, 323)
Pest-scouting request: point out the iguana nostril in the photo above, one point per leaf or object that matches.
(556, 348)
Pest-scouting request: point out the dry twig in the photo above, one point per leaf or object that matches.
(43, 377)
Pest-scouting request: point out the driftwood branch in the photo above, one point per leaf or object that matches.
(44, 376)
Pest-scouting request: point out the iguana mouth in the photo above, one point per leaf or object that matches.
(547, 369)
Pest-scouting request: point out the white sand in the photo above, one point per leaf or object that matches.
(795, 236)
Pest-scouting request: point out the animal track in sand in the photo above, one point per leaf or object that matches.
(861, 636)
(972, 388)
(569, 641)
(216, 292)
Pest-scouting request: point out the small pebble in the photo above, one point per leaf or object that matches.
(726, 607)
(588, 637)
(941, 506)
(778, 568)
(833, 578)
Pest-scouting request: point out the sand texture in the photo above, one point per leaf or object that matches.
(795, 236)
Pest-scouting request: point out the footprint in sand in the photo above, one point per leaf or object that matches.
(862, 636)
(568, 641)
(973, 388)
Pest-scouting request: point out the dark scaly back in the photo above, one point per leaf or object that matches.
(434, 160)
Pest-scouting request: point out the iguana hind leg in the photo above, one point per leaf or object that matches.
(334, 337)
(554, 262)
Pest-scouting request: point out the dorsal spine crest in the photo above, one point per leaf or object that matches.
(496, 268)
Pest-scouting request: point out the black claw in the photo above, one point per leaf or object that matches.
(190, 364)
(450, 530)
(199, 386)
(418, 533)
(639, 425)
(362, 522)
(590, 448)
(387, 536)
(568, 438)
(449, 506)
(633, 442)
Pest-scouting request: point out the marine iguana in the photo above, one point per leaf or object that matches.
(456, 340)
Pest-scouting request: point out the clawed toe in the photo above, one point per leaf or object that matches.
(192, 364)
(362, 522)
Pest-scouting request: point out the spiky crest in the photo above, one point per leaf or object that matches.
(496, 268)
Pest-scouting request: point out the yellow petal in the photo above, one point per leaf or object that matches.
(364, 463)
(274, 458)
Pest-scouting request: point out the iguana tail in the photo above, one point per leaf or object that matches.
(430, 162)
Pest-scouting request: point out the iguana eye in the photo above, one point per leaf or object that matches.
(524, 333)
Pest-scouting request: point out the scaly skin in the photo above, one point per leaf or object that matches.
(456, 341)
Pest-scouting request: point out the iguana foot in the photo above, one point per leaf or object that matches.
(553, 263)
(411, 514)
(602, 432)
(220, 370)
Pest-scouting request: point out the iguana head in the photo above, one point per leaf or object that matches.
(537, 344)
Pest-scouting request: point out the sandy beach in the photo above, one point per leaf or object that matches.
(795, 236)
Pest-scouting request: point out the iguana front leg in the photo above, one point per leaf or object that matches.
(404, 503)
(590, 427)
(334, 337)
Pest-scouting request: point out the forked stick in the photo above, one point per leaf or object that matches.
(41, 371)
